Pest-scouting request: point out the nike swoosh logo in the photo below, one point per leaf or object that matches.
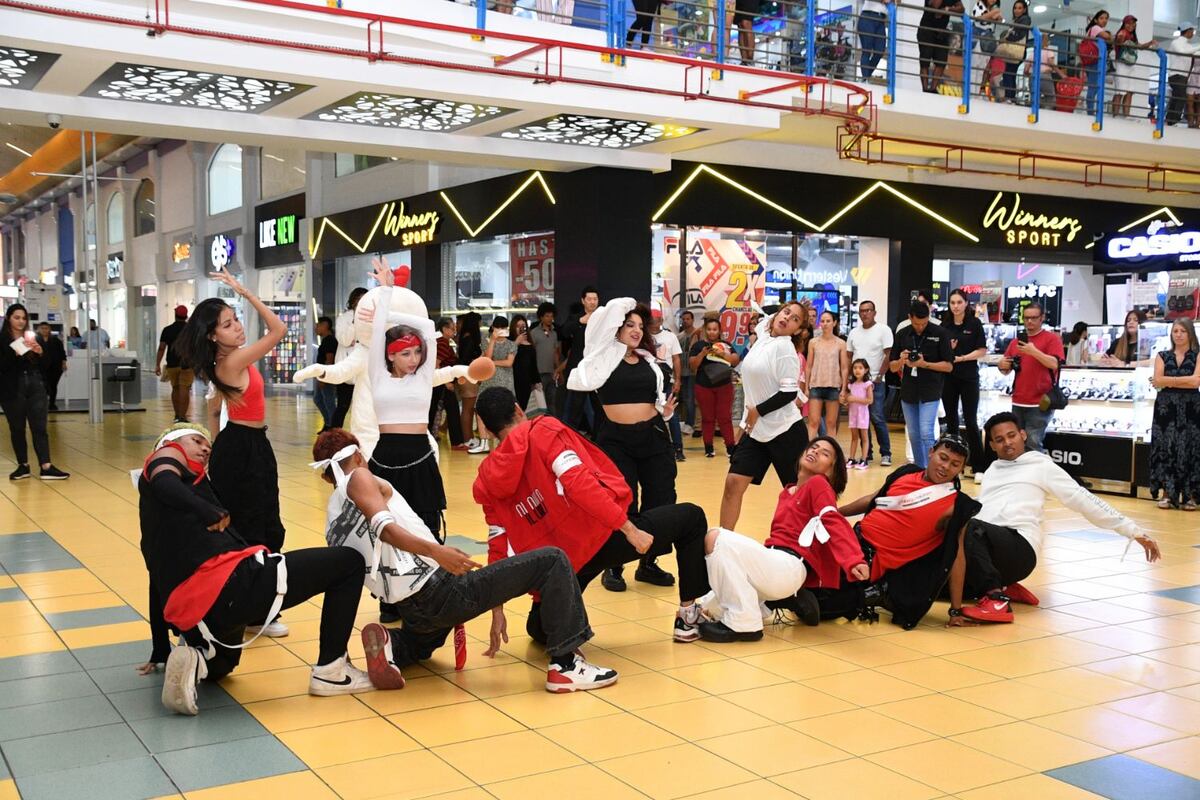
(343, 682)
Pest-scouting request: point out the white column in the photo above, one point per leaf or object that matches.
(873, 274)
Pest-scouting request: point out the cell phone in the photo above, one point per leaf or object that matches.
(502, 333)
(1023, 337)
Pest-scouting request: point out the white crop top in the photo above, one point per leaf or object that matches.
(400, 400)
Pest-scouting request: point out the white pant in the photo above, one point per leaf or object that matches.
(743, 573)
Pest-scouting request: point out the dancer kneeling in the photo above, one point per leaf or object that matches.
(214, 581)
(811, 545)
(434, 587)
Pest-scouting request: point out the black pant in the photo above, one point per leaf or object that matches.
(444, 396)
(996, 557)
(1179, 87)
(345, 393)
(52, 377)
(245, 477)
(646, 11)
(967, 389)
(25, 402)
(335, 572)
(646, 458)
(447, 600)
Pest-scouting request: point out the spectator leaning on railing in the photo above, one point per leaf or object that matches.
(1010, 52)
(933, 41)
(1179, 67)
(1089, 56)
(1126, 45)
(986, 14)
(1051, 74)
(872, 35)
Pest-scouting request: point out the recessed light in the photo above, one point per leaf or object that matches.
(1039, 9)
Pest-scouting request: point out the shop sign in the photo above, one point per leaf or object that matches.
(113, 267)
(1031, 228)
(726, 275)
(410, 229)
(1018, 297)
(1183, 295)
(221, 250)
(531, 262)
(991, 291)
(276, 224)
(181, 252)
(277, 232)
(1102, 458)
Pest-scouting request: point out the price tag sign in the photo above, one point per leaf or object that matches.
(531, 262)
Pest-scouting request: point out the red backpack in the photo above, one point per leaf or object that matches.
(1089, 52)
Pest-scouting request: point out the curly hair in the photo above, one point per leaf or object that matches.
(329, 442)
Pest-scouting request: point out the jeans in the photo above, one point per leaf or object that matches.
(920, 420)
(1034, 421)
(687, 399)
(966, 388)
(872, 38)
(570, 414)
(1093, 86)
(879, 421)
(1179, 89)
(447, 600)
(23, 402)
(325, 397)
(550, 390)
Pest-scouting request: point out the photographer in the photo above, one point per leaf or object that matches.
(923, 359)
(1036, 355)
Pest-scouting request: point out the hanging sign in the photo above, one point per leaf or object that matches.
(276, 229)
(531, 263)
(726, 275)
(1030, 227)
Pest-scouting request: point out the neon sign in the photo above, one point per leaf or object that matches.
(180, 252)
(1184, 243)
(1029, 228)
(277, 232)
(411, 229)
(222, 251)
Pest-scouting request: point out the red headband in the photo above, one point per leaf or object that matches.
(403, 343)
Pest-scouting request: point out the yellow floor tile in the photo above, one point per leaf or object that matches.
(759, 790)
(675, 772)
(724, 676)
(1181, 755)
(603, 738)
(501, 680)
(872, 652)
(862, 731)
(666, 654)
(1085, 684)
(76, 638)
(398, 777)
(459, 723)
(293, 786)
(1147, 672)
(948, 766)
(772, 751)
(788, 702)
(500, 758)
(541, 709)
(703, 718)
(1162, 709)
(17, 609)
(866, 687)
(584, 782)
(340, 743)
(59, 583)
(1041, 787)
(306, 711)
(418, 693)
(937, 674)
(648, 689)
(256, 686)
(854, 778)
(29, 644)
(25, 625)
(1187, 655)
(1107, 728)
(942, 715)
(1006, 661)
(8, 790)
(800, 665)
(6, 582)
(1031, 746)
(1018, 699)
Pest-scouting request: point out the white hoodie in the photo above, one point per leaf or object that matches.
(1014, 495)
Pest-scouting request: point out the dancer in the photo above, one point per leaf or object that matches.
(810, 545)
(206, 578)
(23, 394)
(859, 398)
(435, 587)
(620, 365)
(712, 360)
(774, 429)
(547, 485)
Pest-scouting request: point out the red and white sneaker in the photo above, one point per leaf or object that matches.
(1019, 594)
(992, 607)
(377, 646)
(460, 648)
(581, 677)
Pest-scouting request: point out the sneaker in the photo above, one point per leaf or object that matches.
(478, 448)
(580, 677)
(650, 572)
(388, 613)
(20, 473)
(805, 604)
(688, 620)
(382, 671)
(722, 633)
(978, 478)
(276, 630)
(613, 580)
(992, 607)
(685, 429)
(850, 463)
(679, 456)
(339, 677)
(1019, 594)
(696, 434)
(181, 419)
(709, 453)
(860, 465)
(185, 668)
(53, 473)
(885, 461)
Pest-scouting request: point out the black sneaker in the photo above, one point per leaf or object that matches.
(650, 572)
(52, 473)
(613, 580)
(679, 456)
(804, 603)
(182, 419)
(709, 453)
(720, 632)
(388, 613)
(696, 434)
(20, 473)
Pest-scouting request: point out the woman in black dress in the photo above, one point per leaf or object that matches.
(525, 374)
(1175, 437)
(969, 345)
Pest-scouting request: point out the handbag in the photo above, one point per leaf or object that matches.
(1011, 52)
(987, 42)
(1055, 399)
(1128, 55)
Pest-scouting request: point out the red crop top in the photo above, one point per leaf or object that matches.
(253, 405)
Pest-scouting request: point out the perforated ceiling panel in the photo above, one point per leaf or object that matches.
(182, 87)
(410, 113)
(21, 68)
(607, 132)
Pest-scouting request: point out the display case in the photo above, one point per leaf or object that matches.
(288, 356)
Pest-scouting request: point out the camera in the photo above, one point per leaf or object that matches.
(913, 355)
(54, 121)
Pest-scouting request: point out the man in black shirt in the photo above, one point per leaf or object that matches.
(923, 359)
(178, 374)
(54, 361)
(573, 335)
(325, 394)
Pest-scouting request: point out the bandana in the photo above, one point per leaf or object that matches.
(403, 343)
(334, 462)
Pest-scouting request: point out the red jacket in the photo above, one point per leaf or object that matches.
(545, 485)
(825, 562)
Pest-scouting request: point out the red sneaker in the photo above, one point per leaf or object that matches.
(989, 609)
(376, 644)
(1019, 594)
(460, 647)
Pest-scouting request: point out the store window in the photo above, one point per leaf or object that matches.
(144, 209)
(505, 275)
(348, 163)
(282, 170)
(115, 216)
(225, 179)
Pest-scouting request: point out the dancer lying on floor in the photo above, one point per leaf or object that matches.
(434, 587)
(213, 581)
(810, 546)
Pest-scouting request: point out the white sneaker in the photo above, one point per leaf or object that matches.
(581, 677)
(480, 446)
(339, 677)
(472, 442)
(687, 623)
(276, 630)
(978, 478)
(185, 668)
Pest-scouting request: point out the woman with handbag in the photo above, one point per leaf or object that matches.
(985, 15)
(1010, 52)
(1127, 46)
(1089, 56)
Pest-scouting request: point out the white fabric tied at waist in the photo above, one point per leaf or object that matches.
(211, 641)
(921, 497)
(815, 529)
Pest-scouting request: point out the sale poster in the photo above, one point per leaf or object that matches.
(727, 276)
(531, 261)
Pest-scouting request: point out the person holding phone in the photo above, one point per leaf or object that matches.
(23, 394)
(1036, 356)
(502, 350)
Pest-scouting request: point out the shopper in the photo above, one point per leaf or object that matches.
(1010, 52)
(933, 41)
(1050, 72)
(1078, 351)
(712, 361)
(54, 362)
(923, 358)
(1180, 51)
(1125, 56)
(97, 337)
(325, 394)
(774, 430)
(23, 394)
(573, 336)
(872, 342)
(859, 396)
(745, 12)
(343, 330)
(828, 374)
(502, 350)
(179, 375)
(670, 361)
(1175, 439)
(525, 374)
(645, 13)
(1124, 349)
(688, 334)
(1089, 56)
(470, 347)
(968, 344)
(444, 397)
(544, 336)
(75, 340)
(985, 15)
(872, 35)
(1036, 355)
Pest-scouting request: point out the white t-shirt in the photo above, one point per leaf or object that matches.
(870, 343)
(666, 345)
(874, 6)
(770, 367)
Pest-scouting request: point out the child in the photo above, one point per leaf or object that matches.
(861, 394)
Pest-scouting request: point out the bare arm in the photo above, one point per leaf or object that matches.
(845, 364)
(237, 361)
(856, 507)
(162, 350)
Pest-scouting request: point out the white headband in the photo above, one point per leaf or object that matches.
(178, 433)
(337, 457)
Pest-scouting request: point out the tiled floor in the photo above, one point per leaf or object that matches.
(1095, 693)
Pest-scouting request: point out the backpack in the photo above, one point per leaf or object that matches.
(1089, 52)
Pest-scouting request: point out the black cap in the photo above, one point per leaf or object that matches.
(918, 309)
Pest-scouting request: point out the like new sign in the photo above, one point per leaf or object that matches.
(277, 232)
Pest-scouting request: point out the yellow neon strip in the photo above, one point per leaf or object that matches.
(1146, 218)
(760, 198)
(930, 212)
(312, 249)
(546, 188)
(670, 200)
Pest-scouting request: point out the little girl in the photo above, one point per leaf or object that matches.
(861, 395)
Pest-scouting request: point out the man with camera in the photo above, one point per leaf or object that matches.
(1036, 355)
(923, 357)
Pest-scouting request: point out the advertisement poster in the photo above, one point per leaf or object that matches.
(531, 261)
(723, 275)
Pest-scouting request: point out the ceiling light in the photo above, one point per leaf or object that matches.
(1039, 9)
(273, 158)
(25, 153)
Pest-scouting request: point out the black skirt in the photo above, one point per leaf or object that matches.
(408, 463)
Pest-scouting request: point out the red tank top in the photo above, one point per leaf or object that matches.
(253, 405)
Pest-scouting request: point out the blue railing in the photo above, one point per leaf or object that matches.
(1035, 83)
(1101, 80)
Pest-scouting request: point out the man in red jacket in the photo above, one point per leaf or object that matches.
(545, 485)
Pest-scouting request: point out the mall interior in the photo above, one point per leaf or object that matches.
(719, 159)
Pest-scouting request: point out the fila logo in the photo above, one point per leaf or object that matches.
(1068, 457)
(533, 508)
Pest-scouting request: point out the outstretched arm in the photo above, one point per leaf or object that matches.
(1095, 510)
(237, 361)
(344, 371)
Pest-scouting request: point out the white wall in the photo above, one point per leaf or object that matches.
(173, 193)
(1081, 285)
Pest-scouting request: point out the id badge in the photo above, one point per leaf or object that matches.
(914, 372)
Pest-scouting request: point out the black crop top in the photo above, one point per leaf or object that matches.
(630, 383)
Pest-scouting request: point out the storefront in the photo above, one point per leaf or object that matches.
(282, 284)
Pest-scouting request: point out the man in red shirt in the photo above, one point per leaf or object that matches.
(545, 485)
(1036, 355)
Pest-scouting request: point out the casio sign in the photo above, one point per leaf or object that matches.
(277, 232)
(1159, 244)
(222, 251)
(1068, 457)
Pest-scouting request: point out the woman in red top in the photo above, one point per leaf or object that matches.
(242, 466)
(811, 545)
